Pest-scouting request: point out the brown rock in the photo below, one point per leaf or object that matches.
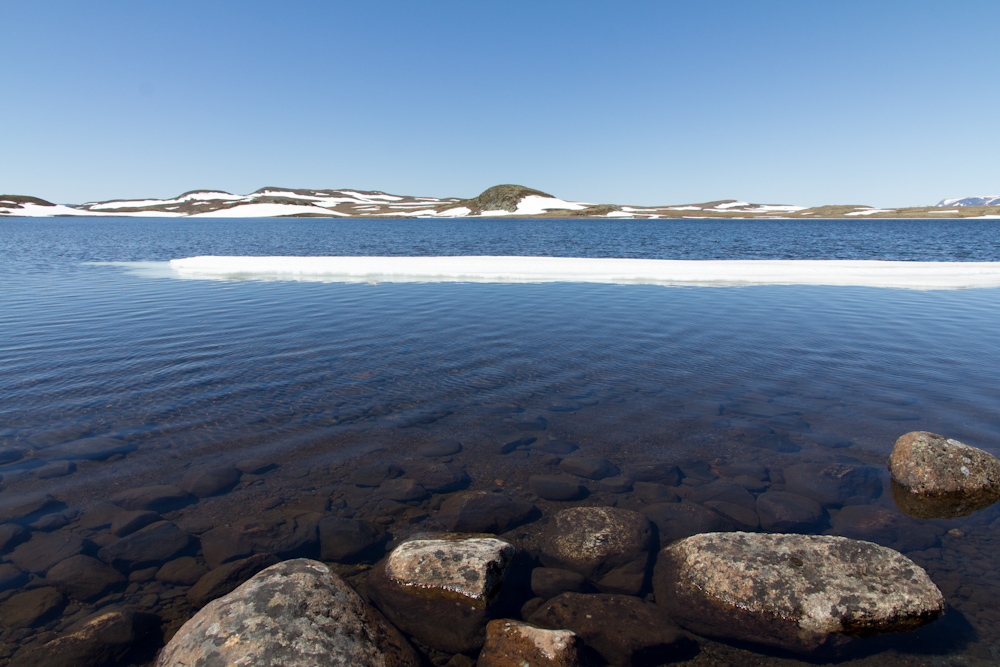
(41, 552)
(226, 578)
(184, 571)
(103, 638)
(515, 644)
(27, 608)
(83, 578)
(483, 512)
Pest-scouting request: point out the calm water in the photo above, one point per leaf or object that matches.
(325, 379)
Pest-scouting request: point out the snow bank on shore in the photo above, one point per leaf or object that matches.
(911, 275)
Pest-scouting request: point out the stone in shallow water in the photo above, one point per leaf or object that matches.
(609, 546)
(548, 582)
(797, 592)
(556, 487)
(43, 551)
(624, 630)
(346, 540)
(83, 578)
(883, 526)
(678, 520)
(439, 588)
(512, 643)
(722, 491)
(402, 490)
(375, 474)
(210, 480)
(130, 521)
(156, 498)
(28, 608)
(103, 638)
(784, 512)
(286, 535)
(156, 543)
(11, 535)
(184, 571)
(938, 477)
(831, 483)
(11, 577)
(439, 477)
(25, 508)
(54, 469)
(98, 448)
(294, 614)
(591, 467)
(226, 578)
(440, 448)
(662, 472)
(483, 512)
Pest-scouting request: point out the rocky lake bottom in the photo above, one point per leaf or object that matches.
(155, 432)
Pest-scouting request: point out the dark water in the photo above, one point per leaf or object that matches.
(322, 380)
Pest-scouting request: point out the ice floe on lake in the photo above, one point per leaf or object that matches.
(491, 269)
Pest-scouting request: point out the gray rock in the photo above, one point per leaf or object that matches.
(347, 540)
(678, 520)
(624, 630)
(226, 578)
(831, 484)
(293, 614)
(26, 507)
(103, 638)
(83, 578)
(154, 544)
(439, 588)
(782, 512)
(11, 535)
(548, 582)
(483, 512)
(28, 608)
(157, 498)
(796, 592)
(184, 571)
(41, 552)
(609, 546)
(209, 481)
(512, 643)
(128, 522)
(284, 534)
(938, 477)
(98, 448)
(556, 487)
(591, 467)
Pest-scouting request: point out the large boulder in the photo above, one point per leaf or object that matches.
(103, 638)
(609, 546)
(294, 614)
(515, 644)
(938, 477)
(483, 512)
(439, 588)
(624, 630)
(796, 592)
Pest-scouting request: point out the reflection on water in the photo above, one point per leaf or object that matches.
(275, 405)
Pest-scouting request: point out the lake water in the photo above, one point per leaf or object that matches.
(327, 383)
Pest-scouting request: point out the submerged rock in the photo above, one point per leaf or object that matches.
(156, 543)
(556, 487)
(155, 498)
(624, 630)
(609, 546)
(483, 512)
(82, 577)
(284, 534)
(43, 551)
(512, 643)
(347, 540)
(937, 477)
(27, 608)
(796, 592)
(294, 614)
(831, 484)
(439, 588)
(226, 578)
(210, 480)
(103, 638)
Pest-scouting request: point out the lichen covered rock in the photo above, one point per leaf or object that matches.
(515, 644)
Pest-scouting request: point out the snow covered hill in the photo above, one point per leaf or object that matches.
(971, 201)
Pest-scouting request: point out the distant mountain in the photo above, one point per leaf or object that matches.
(971, 201)
(497, 201)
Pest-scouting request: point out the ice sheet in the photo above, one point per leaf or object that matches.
(913, 275)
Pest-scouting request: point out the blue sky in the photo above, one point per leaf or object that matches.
(801, 102)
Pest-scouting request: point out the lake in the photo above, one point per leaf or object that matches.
(117, 377)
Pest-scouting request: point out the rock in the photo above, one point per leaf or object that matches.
(548, 582)
(402, 490)
(99, 516)
(54, 469)
(652, 493)
(128, 522)
(616, 484)
(103, 638)
(782, 512)
(157, 498)
(664, 473)
(439, 477)
(439, 589)
(83, 578)
(513, 443)
(797, 592)
(11, 535)
(286, 535)
(375, 474)
(11, 577)
(678, 520)
(516, 644)
(559, 447)
(556, 487)
(743, 517)
(624, 630)
(348, 540)
(831, 484)
(97, 448)
(943, 477)
(722, 491)
(10, 455)
(607, 545)
(440, 448)
(156, 543)
(209, 481)
(184, 571)
(591, 467)
(41, 552)
(484, 512)
(26, 507)
(294, 614)
(882, 526)
(226, 578)
(28, 608)
(57, 435)
(255, 466)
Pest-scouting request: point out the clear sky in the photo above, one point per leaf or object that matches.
(887, 103)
